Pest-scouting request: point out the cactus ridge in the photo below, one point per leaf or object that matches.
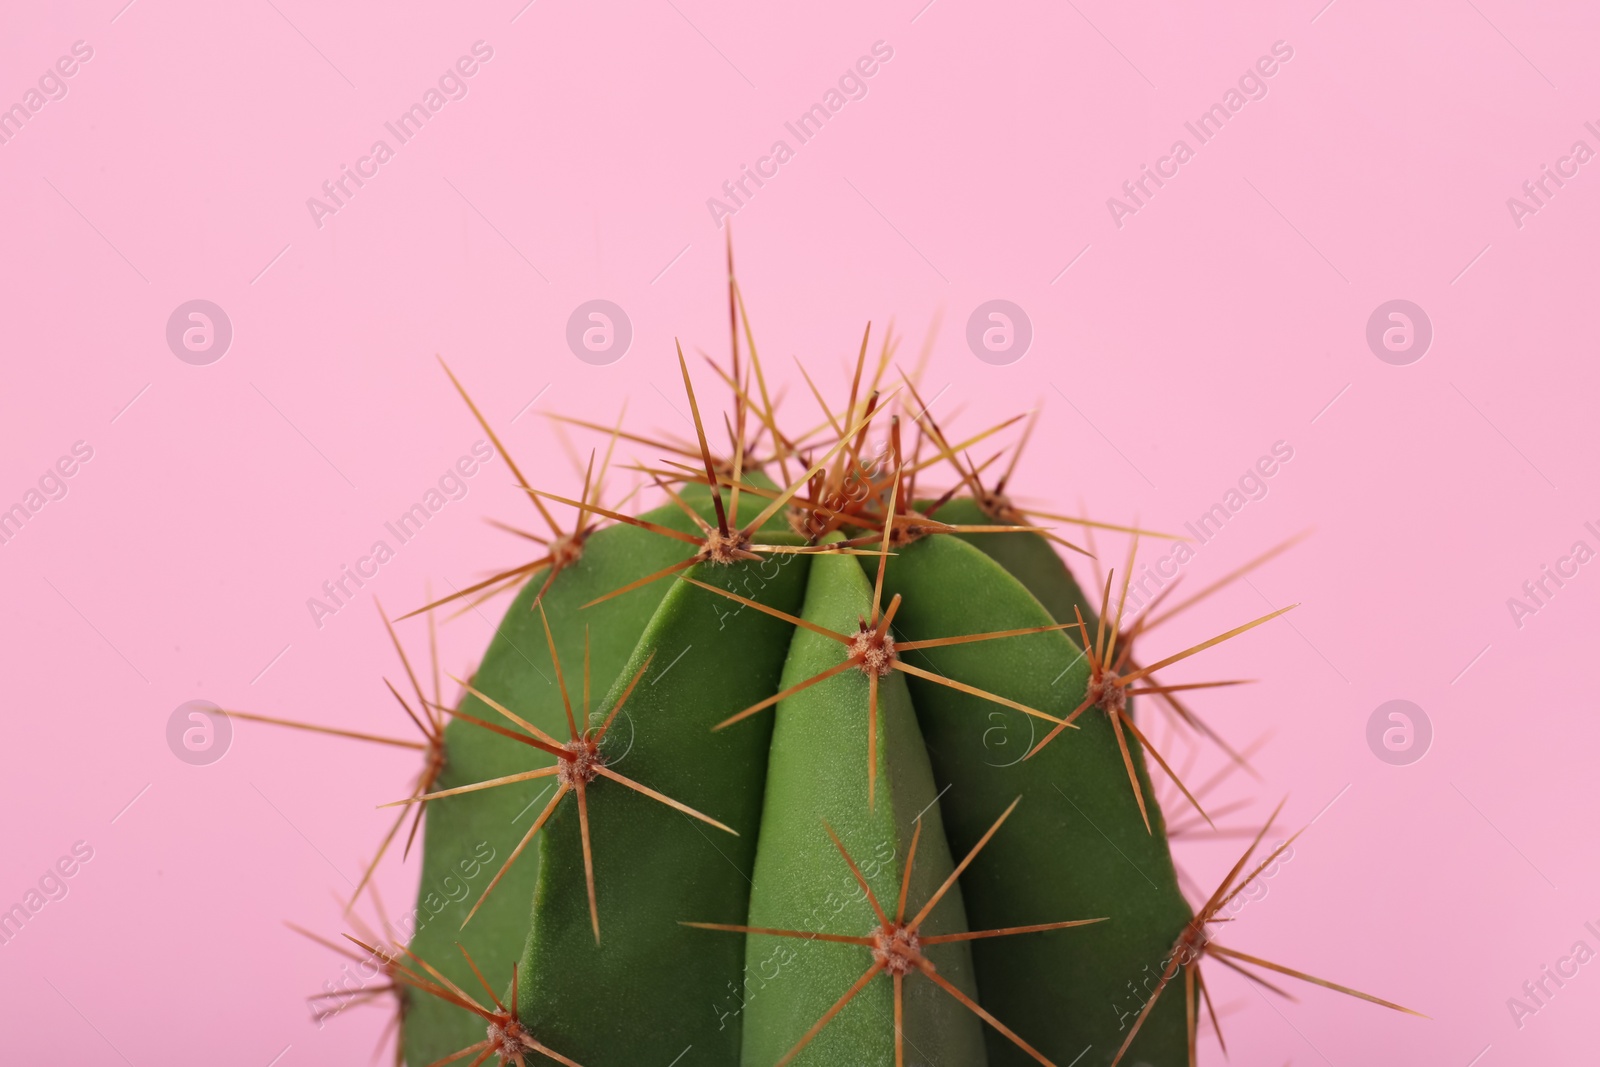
(896, 946)
(872, 649)
(580, 761)
(752, 885)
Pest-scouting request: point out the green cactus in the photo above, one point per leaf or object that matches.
(804, 767)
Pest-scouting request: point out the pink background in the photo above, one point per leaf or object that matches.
(1223, 317)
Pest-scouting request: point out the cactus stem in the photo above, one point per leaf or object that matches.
(896, 945)
(843, 495)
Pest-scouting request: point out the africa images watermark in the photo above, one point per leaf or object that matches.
(52, 486)
(51, 86)
(1251, 486)
(1540, 590)
(343, 588)
(52, 886)
(852, 85)
(1252, 85)
(1537, 991)
(452, 85)
(1537, 192)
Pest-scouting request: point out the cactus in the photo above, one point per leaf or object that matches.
(725, 786)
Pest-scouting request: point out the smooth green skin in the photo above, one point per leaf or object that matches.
(817, 772)
(1076, 847)
(461, 831)
(1030, 558)
(652, 987)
